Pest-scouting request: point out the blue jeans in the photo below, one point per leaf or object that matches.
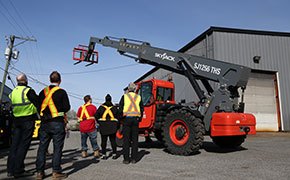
(21, 139)
(48, 131)
(93, 139)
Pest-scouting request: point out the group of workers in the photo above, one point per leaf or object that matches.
(51, 105)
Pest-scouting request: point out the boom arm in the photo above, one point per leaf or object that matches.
(229, 76)
(218, 71)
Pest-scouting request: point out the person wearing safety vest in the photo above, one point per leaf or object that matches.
(24, 102)
(131, 107)
(87, 121)
(54, 104)
(107, 117)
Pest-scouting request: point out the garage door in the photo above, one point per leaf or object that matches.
(260, 100)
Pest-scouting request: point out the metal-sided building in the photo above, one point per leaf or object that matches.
(268, 54)
(6, 92)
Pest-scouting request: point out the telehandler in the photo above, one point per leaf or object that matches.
(181, 127)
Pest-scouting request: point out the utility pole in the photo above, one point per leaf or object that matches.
(9, 53)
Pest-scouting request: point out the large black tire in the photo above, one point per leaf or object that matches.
(228, 141)
(182, 133)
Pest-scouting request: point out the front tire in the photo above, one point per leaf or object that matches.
(182, 132)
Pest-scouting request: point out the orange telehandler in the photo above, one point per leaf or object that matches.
(182, 126)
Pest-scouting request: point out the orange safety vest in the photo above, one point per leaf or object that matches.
(131, 105)
(84, 114)
(49, 102)
(109, 112)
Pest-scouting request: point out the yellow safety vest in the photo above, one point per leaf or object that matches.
(85, 113)
(131, 105)
(109, 112)
(49, 102)
(20, 103)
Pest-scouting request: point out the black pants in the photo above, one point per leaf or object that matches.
(48, 131)
(130, 135)
(112, 138)
(21, 139)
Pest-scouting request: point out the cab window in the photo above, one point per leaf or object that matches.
(146, 93)
(164, 94)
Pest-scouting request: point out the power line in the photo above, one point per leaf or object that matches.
(71, 94)
(30, 56)
(10, 22)
(32, 78)
(93, 71)
(9, 77)
(44, 84)
(27, 28)
(38, 56)
(13, 19)
(20, 17)
(12, 82)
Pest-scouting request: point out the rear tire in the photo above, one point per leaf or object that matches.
(228, 141)
(182, 133)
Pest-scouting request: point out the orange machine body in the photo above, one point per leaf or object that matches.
(232, 124)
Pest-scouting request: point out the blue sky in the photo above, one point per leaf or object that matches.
(59, 26)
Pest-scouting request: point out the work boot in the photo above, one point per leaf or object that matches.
(23, 174)
(126, 162)
(58, 175)
(97, 153)
(104, 157)
(114, 156)
(39, 176)
(84, 154)
(10, 175)
(133, 161)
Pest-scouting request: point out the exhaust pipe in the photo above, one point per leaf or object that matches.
(246, 129)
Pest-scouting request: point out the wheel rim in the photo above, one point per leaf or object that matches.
(119, 135)
(179, 132)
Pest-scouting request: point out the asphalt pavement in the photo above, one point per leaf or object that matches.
(262, 156)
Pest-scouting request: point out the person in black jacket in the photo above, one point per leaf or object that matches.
(107, 117)
(54, 104)
(24, 102)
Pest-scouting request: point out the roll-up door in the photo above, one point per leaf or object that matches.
(260, 100)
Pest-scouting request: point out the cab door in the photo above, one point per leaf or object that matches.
(146, 93)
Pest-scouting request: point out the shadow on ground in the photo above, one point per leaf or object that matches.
(208, 146)
(151, 144)
(213, 148)
(141, 154)
(70, 156)
(80, 164)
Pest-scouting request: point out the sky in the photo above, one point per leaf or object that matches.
(59, 26)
